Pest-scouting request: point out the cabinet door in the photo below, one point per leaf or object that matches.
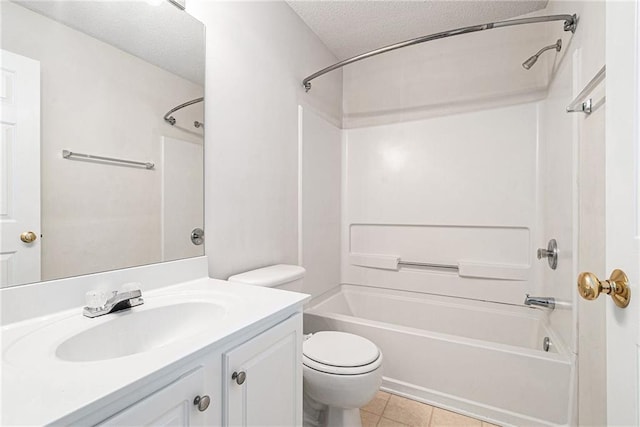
(271, 393)
(170, 406)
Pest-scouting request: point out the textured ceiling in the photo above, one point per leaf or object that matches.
(157, 32)
(349, 28)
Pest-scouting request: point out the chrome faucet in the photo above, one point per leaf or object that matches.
(118, 300)
(548, 302)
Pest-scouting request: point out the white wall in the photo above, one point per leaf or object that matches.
(97, 100)
(320, 190)
(572, 159)
(464, 73)
(257, 55)
(443, 96)
(444, 190)
(582, 57)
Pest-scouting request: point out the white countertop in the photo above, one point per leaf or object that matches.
(38, 388)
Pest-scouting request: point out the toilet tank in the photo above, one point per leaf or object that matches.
(281, 276)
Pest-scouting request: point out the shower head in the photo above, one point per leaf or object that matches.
(529, 62)
(532, 60)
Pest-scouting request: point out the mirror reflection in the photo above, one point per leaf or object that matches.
(97, 171)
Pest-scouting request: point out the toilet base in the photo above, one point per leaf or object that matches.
(313, 413)
(343, 417)
(316, 414)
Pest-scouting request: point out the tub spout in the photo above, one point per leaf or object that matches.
(548, 302)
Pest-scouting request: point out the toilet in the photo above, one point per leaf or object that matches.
(281, 276)
(342, 372)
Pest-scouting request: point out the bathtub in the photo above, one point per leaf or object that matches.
(480, 358)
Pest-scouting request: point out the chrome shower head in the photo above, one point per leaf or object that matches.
(532, 60)
(529, 62)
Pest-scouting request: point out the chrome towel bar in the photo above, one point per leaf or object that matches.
(464, 268)
(428, 265)
(579, 104)
(68, 154)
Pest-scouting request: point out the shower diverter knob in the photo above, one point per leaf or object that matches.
(551, 253)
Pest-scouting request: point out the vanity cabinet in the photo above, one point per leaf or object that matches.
(255, 380)
(263, 378)
(173, 405)
(145, 366)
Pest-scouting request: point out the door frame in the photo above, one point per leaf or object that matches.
(621, 201)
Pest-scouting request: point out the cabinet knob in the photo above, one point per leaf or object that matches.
(239, 377)
(202, 402)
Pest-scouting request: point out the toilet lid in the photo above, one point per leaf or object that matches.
(340, 349)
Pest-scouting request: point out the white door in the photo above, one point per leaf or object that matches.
(622, 209)
(19, 169)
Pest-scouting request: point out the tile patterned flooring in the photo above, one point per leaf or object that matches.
(388, 410)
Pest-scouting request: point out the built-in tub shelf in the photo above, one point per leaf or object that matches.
(463, 268)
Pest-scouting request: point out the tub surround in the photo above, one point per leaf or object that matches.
(41, 389)
(437, 192)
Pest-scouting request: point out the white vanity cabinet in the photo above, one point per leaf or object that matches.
(145, 366)
(172, 405)
(263, 378)
(266, 389)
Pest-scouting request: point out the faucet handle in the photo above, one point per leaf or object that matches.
(551, 253)
(96, 298)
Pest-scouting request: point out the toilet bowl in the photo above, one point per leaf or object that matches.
(341, 371)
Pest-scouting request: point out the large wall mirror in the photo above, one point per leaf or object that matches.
(86, 84)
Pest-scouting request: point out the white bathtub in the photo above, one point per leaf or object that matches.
(480, 358)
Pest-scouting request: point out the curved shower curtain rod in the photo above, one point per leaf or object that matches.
(172, 120)
(570, 24)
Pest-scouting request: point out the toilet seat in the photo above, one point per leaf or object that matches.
(340, 353)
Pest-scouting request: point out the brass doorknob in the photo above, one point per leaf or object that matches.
(590, 287)
(28, 237)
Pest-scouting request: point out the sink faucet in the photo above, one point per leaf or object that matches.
(118, 300)
(548, 302)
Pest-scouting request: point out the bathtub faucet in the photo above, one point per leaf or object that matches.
(548, 302)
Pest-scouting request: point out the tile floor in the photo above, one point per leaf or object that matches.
(388, 410)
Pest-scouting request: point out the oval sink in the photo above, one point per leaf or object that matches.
(136, 331)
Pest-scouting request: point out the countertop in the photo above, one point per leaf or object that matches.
(38, 388)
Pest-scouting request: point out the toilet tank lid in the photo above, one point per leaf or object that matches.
(273, 275)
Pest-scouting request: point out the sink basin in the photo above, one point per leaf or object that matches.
(161, 321)
(137, 331)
